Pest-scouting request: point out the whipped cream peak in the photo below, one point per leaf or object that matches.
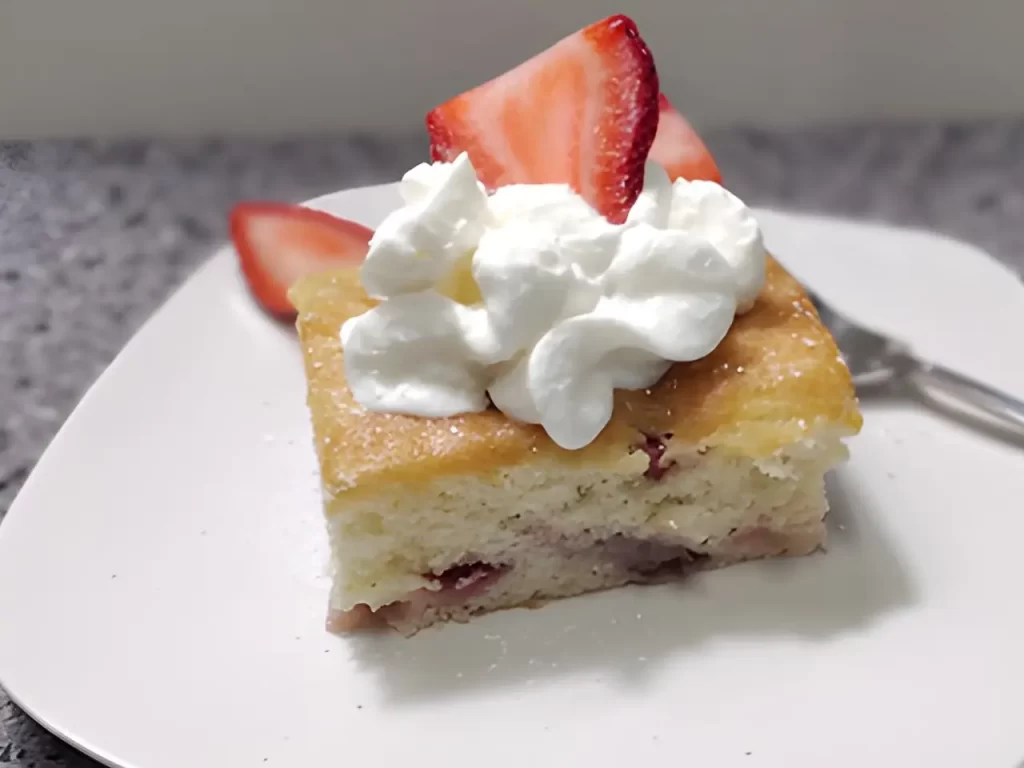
(446, 212)
(709, 211)
(528, 299)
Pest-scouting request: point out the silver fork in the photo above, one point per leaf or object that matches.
(878, 363)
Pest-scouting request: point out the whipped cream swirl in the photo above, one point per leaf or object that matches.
(528, 298)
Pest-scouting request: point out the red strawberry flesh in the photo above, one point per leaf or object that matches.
(278, 243)
(679, 150)
(584, 113)
(654, 446)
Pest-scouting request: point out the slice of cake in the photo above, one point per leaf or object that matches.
(566, 364)
(722, 460)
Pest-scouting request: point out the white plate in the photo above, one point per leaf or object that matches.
(162, 580)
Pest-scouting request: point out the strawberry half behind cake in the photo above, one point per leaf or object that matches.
(720, 461)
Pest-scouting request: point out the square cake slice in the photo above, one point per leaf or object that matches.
(723, 460)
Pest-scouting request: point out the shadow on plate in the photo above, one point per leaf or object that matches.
(895, 394)
(621, 636)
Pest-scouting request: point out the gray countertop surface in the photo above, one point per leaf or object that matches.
(93, 236)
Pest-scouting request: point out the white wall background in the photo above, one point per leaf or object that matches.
(73, 67)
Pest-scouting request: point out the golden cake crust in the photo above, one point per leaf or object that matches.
(777, 376)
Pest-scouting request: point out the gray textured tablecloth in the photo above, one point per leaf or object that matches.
(93, 236)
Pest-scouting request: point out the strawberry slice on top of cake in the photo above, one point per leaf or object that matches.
(583, 113)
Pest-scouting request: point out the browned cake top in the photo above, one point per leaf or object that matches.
(775, 377)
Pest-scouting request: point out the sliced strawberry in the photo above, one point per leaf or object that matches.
(278, 243)
(678, 148)
(583, 112)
